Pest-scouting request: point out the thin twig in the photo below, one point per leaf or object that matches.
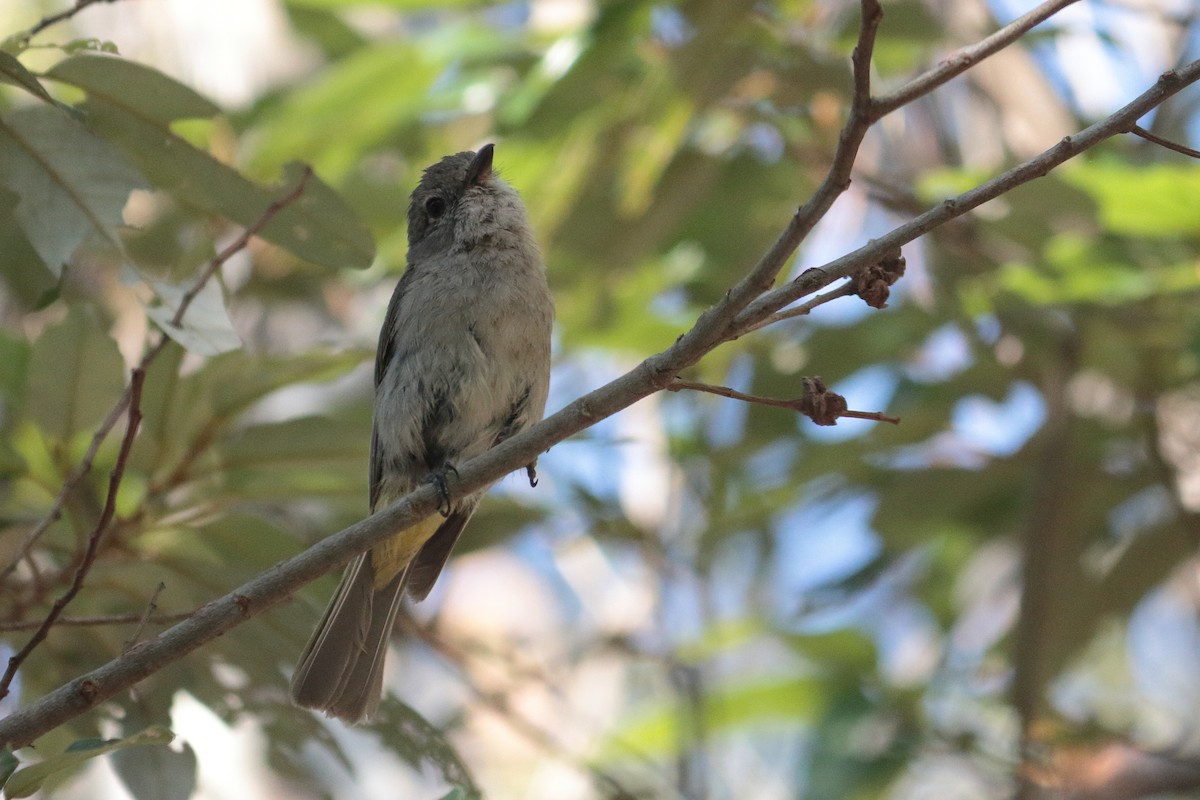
(54, 19)
(845, 290)
(966, 58)
(151, 607)
(134, 419)
(85, 465)
(1138, 130)
(792, 405)
(241, 241)
(142, 618)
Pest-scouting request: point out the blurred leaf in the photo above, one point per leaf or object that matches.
(154, 773)
(26, 781)
(326, 28)
(459, 793)
(382, 87)
(857, 751)
(308, 441)
(296, 458)
(75, 377)
(722, 637)
(1142, 200)
(15, 354)
(27, 280)
(205, 328)
(846, 653)
(656, 733)
(13, 72)
(418, 742)
(8, 764)
(240, 380)
(157, 773)
(147, 92)
(71, 184)
(134, 106)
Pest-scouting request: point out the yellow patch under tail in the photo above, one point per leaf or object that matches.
(390, 558)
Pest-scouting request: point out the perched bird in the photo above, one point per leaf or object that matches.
(463, 363)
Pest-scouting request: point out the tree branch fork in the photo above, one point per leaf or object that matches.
(755, 301)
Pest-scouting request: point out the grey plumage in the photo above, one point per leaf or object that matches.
(463, 363)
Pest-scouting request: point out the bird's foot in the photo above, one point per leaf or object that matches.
(438, 479)
(531, 471)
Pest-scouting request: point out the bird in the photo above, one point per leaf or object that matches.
(463, 363)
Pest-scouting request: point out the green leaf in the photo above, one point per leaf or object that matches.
(722, 638)
(1136, 200)
(849, 652)
(13, 71)
(657, 733)
(70, 182)
(8, 764)
(205, 328)
(89, 45)
(461, 793)
(141, 90)
(75, 376)
(15, 354)
(157, 773)
(25, 782)
(318, 227)
(27, 280)
(238, 381)
(382, 88)
(405, 732)
(307, 441)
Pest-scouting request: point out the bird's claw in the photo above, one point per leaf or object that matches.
(531, 471)
(438, 479)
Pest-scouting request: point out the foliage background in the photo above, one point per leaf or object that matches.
(700, 596)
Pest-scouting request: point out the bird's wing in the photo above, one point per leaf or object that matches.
(383, 357)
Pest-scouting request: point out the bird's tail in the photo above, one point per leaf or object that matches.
(341, 669)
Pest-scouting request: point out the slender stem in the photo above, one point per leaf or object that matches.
(151, 607)
(792, 405)
(54, 19)
(845, 290)
(142, 618)
(966, 58)
(1138, 130)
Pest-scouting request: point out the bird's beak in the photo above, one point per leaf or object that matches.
(481, 166)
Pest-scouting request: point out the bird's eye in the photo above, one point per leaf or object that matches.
(435, 207)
